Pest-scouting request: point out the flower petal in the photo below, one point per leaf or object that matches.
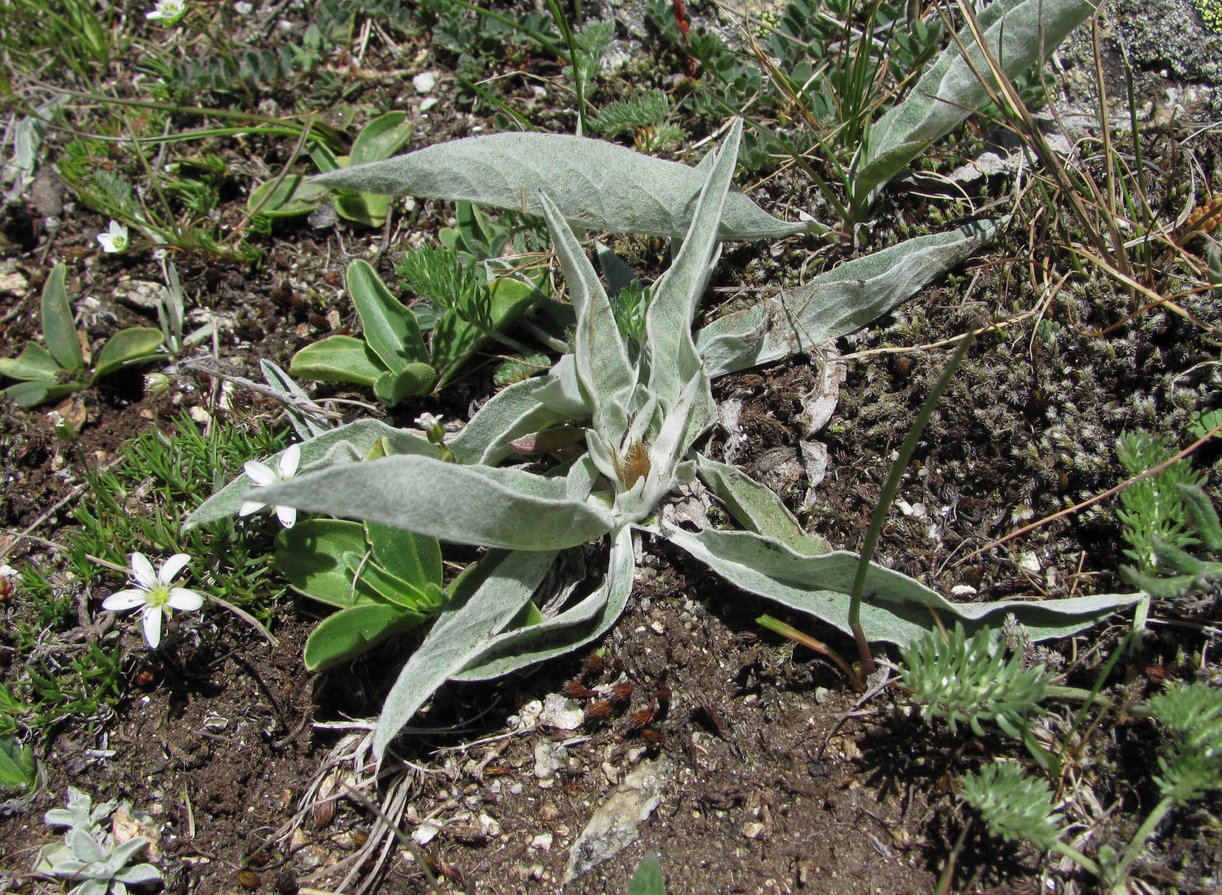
(250, 506)
(185, 599)
(123, 600)
(152, 626)
(287, 516)
(172, 567)
(259, 473)
(289, 461)
(142, 571)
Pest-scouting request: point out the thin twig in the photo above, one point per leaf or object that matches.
(209, 367)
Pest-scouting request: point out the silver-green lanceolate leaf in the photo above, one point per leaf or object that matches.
(514, 411)
(477, 505)
(485, 599)
(572, 629)
(1018, 33)
(305, 424)
(757, 508)
(350, 442)
(835, 303)
(896, 608)
(673, 362)
(595, 184)
(598, 350)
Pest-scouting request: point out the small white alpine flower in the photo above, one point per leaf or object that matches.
(156, 592)
(114, 240)
(263, 475)
(167, 12)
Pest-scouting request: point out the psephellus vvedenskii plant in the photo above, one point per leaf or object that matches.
(645, 415)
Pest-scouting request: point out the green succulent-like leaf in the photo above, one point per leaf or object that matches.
(317, 555)
(366, 209)
(17, 768)
(381, 138)
(34, 364)
(293, 195)
(338, 359)
(351, 632)
(58, 325)
(393, 388)
(456, 338)
(410, 556)
(137, 345)
(390, 328)
(596, 185)
(31, 394)
(835, 303)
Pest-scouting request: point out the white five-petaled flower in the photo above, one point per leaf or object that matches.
(167, 11)
(263, 475)
(114, 239)
(156, 592)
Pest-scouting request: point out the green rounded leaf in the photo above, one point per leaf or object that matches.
(31, 394)
(35, 363)
(292, 196)
(411, 556)
(338, 359)
(392, 389)
(389, 327)
(137, 345)
(381, 138)
(317, 557)
(351, 632)
(366, 209)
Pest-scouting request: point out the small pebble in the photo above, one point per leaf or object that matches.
(425, 82)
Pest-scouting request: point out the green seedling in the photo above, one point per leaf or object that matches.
(89, 856)
(44, 374)
(382, 581)
(171, 314)
(647, 879)
(1153, 508)
(1020, 808)
(393, 358)
(295, 195)
(644, 114)
(645, 416)
(1187, 572)
(970, 681)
